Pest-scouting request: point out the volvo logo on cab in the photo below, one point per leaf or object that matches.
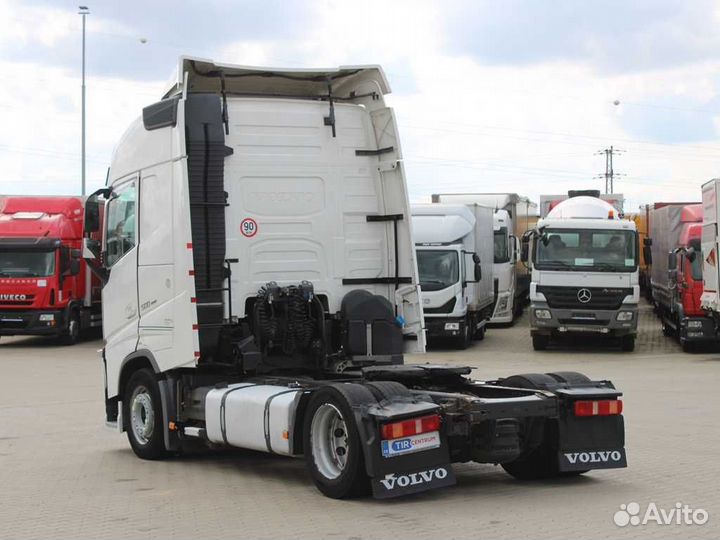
(13, 297)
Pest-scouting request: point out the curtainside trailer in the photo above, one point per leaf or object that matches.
(261, 291)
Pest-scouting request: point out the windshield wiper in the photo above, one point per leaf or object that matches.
(561, 264)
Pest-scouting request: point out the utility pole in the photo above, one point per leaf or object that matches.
(609, 171)
(84, 11)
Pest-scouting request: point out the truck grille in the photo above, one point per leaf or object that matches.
(447, 307)
(600, 297)
(24, 300)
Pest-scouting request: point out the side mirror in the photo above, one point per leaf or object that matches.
(690, 254)
(672, 262)
(478, 271)
(92, 210)
(525, 251)
(647, 254)
(74, 267)
(476, 258)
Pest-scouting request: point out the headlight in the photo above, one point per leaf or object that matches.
(625, 316)
(46, 317)
(694, 324)
(543, 314)
(452, 326)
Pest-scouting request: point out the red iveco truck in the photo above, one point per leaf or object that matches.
(676, 280)
(46, 287)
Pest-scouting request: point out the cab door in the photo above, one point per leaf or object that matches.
(120, 257)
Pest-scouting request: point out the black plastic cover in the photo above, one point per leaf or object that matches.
(161, 114)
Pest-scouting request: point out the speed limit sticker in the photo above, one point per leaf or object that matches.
(248, 227)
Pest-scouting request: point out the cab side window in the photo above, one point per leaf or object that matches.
(121, 234)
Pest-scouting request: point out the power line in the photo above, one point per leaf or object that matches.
(610, 173)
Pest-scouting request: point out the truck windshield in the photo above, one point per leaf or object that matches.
(438, 269)
(27, 263)
(586, 250)
(500, 239)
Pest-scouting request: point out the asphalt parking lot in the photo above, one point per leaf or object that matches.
(64, 475)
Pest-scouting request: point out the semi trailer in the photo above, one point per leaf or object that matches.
(45, 286)
(454, 251)
(584, 272)
(548, 202)
(514, 215)
(261, 291)
(676, 279)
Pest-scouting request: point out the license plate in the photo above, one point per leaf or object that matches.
(408, 445)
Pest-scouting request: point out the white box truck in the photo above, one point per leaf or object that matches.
(454, 251)
(584, 272)
(710, 298)
(514, 215)
(260, 291)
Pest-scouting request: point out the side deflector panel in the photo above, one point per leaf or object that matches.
(206, 151)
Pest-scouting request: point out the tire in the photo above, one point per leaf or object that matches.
(540, 342)
(480, 333)
(569, 377)
(142, 414)
(627, 343)
(383, 390)
(541, 462)
(329, 427)
(687, 346)
(72, 334)
(666, 330)
(462, 341)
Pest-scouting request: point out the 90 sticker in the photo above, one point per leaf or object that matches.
(248, 227)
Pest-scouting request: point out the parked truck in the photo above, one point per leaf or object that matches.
(710, 298)
(514, 215)
(641, 220)
(584, 272)
(454, 251)
(261, 291)
(676, 271)
(45, 286)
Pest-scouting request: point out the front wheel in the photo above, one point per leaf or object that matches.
(628, 343)
(540, 342)
(333, 451)
(142, 414)
(72, 332)
(462, 341)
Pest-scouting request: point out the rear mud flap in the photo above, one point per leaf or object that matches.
(397, 484)
(405, 473)
(591, 459)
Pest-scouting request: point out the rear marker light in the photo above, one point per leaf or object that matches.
(193, 300)
(191, 272)
(195, 326)
(414, 426)
(604, 407)
(189, 245)
(197, 354)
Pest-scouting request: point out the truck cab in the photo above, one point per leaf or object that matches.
(584, 273)
(453, 250)
(45, 288)
(505, 256)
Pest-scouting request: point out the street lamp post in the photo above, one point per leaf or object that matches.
(84, 11)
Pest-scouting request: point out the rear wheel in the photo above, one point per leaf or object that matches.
(540, 342)
(480, 333)
(541, 462)
(333, 451)
(142, 414)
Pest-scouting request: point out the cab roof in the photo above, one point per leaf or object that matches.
(205, 75)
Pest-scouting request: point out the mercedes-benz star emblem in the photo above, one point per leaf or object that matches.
(584, 295)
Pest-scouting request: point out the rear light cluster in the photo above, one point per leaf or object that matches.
(414, 426)
(604, 407)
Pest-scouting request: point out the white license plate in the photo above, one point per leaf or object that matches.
(408, 445)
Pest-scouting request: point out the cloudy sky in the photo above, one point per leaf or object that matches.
(502, 95)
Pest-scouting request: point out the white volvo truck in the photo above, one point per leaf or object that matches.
(454, 251)
(584, 273)
(260, 291)
(514, 215)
